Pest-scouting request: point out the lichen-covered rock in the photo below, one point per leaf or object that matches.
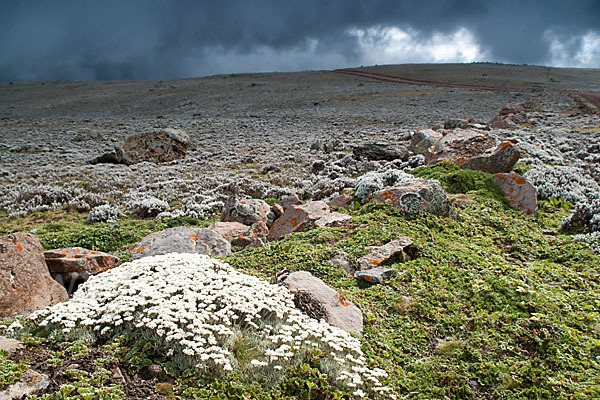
(374, 275)
(247, 211)
(520, 193)
(156, 146)
(423, 140)
(419, 195)
(402, 248)
(181, 239)
(374, 181)
(341, 200)
(238, 234)
(31, 382)
(471, 149)
(289, 201)
(319, 301)
(298, 218)
(78, 259)
(25, 283)
(380, 151)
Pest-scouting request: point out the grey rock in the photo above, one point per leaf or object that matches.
(417, 196)
(157, 146)
(182, 240)
(9, 345)
(319, 301)
(380, 151)
(521, 194)
(374, 275)
(377, 255)
(246, 211)
(30, 383)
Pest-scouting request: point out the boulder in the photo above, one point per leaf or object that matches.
(423, 139)
(374, 275)
(157, 146)
(247, 211)
(25, 283)
(70, 266)
(474, 150)
(298, 218)
(30, 383)
(341, 200)
(319, 301)
(182, 239)
(417, 196)
(80, 260)
(401, 248)
(521, 194)
(238, 234)
(380, 151)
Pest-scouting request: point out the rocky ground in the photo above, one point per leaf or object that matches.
(250, 133)
(470, 298)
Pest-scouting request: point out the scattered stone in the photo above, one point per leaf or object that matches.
(501, 159)
(289, 201)
(417, 196)
(374, 275)
(298, 218)
(319, 301)
(521, 194)
(25, 283)
(246, 211)
(30, 382)
(401, 248)
(157, 146)
(237, 234)
(9, 345)
(182, 239)
(380, 151)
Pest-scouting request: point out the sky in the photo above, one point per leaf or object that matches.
(173, 39)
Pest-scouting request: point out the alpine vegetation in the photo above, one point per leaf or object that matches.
(200, 307)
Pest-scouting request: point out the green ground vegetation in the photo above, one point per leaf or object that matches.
(497, 304)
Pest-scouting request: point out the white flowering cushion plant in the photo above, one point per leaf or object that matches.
(200, 306)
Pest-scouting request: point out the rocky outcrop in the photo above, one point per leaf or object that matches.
(181, 240)
(157, 146)
(417, 196)
(299, 218)
(319, 301)
(423, 139)
(25, 283)
(401, 248)
(521, 194)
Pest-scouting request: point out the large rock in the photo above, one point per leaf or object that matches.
(73, 265)
(417, 196)
(400, 248)
(332, 219)
(472, 150)
(25, 283)
(521, 194)
(157, 146)
(182, 239)
(247, 211)
(319, 301)
(298, 218)
(380, 151)
(238, 234)
(374, 275)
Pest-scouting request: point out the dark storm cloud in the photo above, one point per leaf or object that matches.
(162, 39)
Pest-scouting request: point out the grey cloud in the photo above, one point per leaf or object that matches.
(160, 39)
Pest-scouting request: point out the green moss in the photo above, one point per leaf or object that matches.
(457, 180)
(10, 371)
